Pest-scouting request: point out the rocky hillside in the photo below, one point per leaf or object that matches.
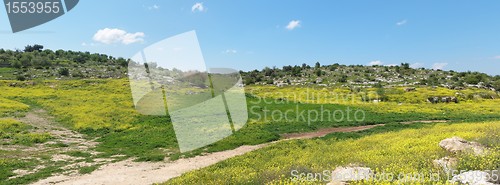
(369, 76)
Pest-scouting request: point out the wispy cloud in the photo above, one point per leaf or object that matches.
(402, 22)
(198, 7)
(230, 51)
(496, 57)
(375, 62)
(437, 66)
(293, 24)
(114, 35)
(154, 7)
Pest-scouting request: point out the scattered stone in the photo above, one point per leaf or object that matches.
(446, 163)
(459, 145)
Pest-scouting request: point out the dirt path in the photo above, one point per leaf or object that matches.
(129, 172)
(133, 173)
(325, 131)
(43, 123)
(63, 140)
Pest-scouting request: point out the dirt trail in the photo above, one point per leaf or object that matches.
(43, 123)
(325, 131)
(63, 140)
(129, 172)
(133, 173)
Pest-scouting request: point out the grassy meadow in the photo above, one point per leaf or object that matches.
(391, 149)
(103, 110)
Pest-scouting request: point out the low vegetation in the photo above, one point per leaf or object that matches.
(392, 149)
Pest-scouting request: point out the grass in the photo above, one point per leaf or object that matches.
(7, 73)
(9, 107)
(19, 133)
(390, 149)
(31, 138)
(104, 109)
(43, 173)
(87, 169)
(398, 100)
(78, 154)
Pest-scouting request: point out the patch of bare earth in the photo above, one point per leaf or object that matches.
(70, 140)
(326, 131)
(44, 123)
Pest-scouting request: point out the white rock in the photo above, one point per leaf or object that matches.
(457, 145)
(446, 163)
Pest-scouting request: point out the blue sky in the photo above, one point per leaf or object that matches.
(246, 35)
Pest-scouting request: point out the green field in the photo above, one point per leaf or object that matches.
(392, 149)
(103, 110)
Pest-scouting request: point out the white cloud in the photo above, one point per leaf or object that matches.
(402, 22)
(391, 65)
(375, 62)
(437, 66)
(198, 7)
(230, 51)
(111, 36)
(416, 65)
(293, 24)
(154, 7)
(496, 57)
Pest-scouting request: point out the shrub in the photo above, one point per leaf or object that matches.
(64, 71)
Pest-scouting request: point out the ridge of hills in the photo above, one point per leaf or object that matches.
(34, 62)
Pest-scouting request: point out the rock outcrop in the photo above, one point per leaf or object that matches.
(459, 145)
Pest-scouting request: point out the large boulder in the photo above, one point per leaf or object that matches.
(342, 175)
(459, 145)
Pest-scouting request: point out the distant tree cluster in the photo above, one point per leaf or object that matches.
(35, 56)
(36, 62)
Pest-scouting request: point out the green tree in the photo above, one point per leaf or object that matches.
(35, 47)
(15, 63)
(64, 71)
(318, 72)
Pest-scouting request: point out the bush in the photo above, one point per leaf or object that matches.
(21, 78)
(64, 71)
